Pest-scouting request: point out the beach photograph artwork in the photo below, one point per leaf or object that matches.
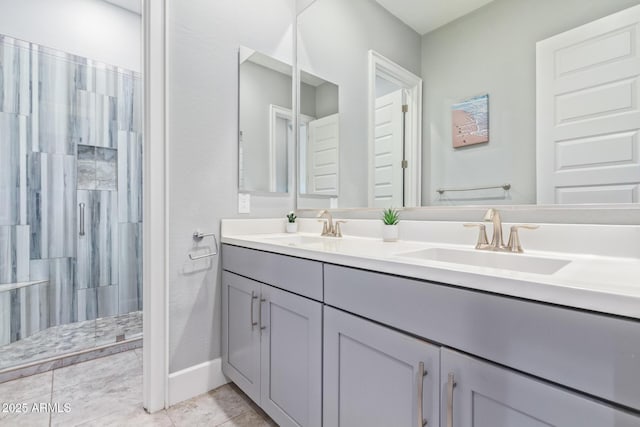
(470, 121)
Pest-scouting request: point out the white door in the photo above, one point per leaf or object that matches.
(322, 155)
(588, 118)
(387, 165)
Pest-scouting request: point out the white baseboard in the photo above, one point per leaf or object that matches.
(195, 380)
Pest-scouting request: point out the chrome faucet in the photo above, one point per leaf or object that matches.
(497, 243)
(330, 228)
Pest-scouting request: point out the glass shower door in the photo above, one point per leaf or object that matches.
(70, 203)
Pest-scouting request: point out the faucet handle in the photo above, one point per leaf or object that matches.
(325, 227)
(514, 239)
(337, 225)
(482, 234)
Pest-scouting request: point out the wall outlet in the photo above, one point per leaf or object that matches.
(244, 203)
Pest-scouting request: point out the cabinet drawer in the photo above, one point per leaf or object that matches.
(594, 353)
(296, 275)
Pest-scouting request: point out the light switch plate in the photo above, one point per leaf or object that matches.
(244, 203)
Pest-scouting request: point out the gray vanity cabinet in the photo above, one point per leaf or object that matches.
(475, 393)
(272, 338)
(241, 333)
(291, 358)
(376, 376)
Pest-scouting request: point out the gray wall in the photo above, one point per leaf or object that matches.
(307, 100)
(318, 101)
(89, 28)
(335, 36)
(204, 37)
(259, 87)
(492, 50)
(327, 99)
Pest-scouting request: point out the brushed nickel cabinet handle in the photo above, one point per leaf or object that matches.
(421, 374)
(451, 383)
(253, 297)
(262, 328)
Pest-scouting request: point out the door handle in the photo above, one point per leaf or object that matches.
(253, 297)
(451, 383)
(262, 328)
(421, 374)
(81, 219)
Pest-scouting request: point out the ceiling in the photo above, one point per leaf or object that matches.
(134, 6)
(421, 15)
(427, 15)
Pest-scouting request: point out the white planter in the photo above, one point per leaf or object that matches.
(292, 227)
(389, 233)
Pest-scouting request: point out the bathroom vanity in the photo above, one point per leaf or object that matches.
(354, 331)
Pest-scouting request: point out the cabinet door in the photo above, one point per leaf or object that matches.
(373, 375)
(241, 333)
(291, 358)
(486, 395)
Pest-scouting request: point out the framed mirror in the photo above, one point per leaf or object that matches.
(265, 137)
(489, 136)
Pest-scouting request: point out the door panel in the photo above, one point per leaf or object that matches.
(241, 333)
(588, 88)
(291, 358)
(322, 155)
(371, 374)
(486, 395)
(388, 151)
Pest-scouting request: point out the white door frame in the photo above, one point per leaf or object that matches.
(412, 84)
(276, 112)
(155, 214)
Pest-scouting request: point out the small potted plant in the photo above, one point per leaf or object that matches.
(390, 219)
(292, 225)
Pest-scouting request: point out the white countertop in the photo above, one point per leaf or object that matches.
(593, 282)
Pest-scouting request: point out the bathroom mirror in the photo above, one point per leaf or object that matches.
(478, 69)
(319, 137)
(265, 139)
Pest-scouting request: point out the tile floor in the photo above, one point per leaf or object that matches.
(64, 339)
(108, 392)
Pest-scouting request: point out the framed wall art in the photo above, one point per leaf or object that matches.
(470, 121)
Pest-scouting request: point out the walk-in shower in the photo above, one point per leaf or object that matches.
(70, 203)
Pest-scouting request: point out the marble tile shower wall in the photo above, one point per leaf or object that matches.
(70, 136)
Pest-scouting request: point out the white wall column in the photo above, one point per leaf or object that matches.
(155, 250)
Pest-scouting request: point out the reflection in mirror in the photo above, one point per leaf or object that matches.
(489, 48)
(319, 136)
(342, 57)
(395, 129)
(265, 139)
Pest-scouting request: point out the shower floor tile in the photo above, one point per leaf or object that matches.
(69, 338)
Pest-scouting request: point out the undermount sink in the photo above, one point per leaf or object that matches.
(504, 261)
